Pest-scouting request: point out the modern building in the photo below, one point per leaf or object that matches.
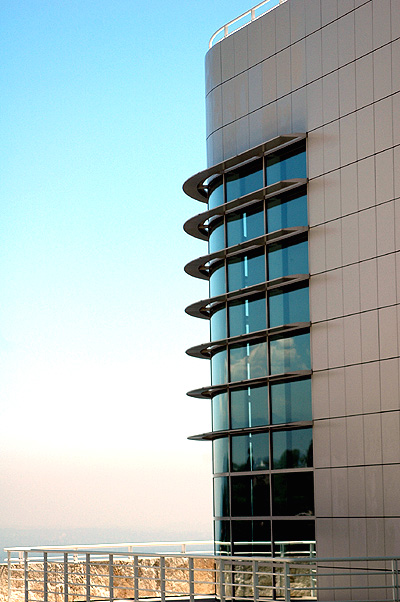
(302, 219)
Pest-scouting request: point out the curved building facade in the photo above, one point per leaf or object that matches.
(301, 215)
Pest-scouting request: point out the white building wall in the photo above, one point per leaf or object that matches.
(331, 68)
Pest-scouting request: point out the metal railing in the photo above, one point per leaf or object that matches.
(247, 17)
(72, 575)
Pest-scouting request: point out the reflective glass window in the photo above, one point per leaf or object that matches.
(292, 448)
(288, 306)
(246, 270)
(292, 531)
(289, 354)
(218, 324)
(245, 225)
(286, 260)
(251, 537)
(293, 494)
(217, 281)
(216, 193)
(244, 180)
(219, 368)
(216, 240)
(221, 496)
(221, 454)
(291, 401)
(250, 452)
(288, 164)
(222, 537)
(220, 417)
(287, 212)
(249, 406)
(247, 316)
(250, 495)
(248, 361)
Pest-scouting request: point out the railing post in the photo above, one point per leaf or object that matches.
(191, 579)
(395, 580)
(136, 578)
(287, 581)
(26, 577)
(87, 577)
(66, 577)
(9, 574)
(222, 579)
(183, 548)
(45, 578)
(255, 581)
(162, 578)
(111, 576)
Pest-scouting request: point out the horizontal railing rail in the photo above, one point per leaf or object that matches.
(76, 573)
(250, 15)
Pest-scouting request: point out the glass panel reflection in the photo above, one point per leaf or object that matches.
(248, 361)
(245, 225)
(250, 452)
(287, 260)
(287, 212)
(219, 368)
(250, 495)
(218, 324)
(292, 449)
(220, 417)
(291, 401)
(289, 306)
(221, 455)
(221, 496)
(244, 180)
(246, 270)
(216, 240)
(293, 494)
(247, 316)
(288, 164)
(216, 193)
(288, 354)
(217, 281)
(251, 537)
(222, 537)
(249, 407)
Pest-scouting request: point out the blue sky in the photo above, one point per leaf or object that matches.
(101, 120)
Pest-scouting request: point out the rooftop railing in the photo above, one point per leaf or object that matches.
(76, 573)
(250, 15)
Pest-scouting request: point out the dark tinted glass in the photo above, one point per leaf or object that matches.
(215, 197)
(220, 419)
(292, 531)
(221, 496)
(247, 316)
(219, 368)
(216, 240)
(287, 212)
(248, 361)
(217, 281)
(249, 407)
(250, 452)
(286, 165)
(222, 536)
(287, 260)
(246, 270)
(289, 354)
(251, 537)
(250, 495)
(218, 325)
(245, 225)
(221, 454)
(244, 180)
(293, 494)
(289, 306)
(291, 401)
(292, 449)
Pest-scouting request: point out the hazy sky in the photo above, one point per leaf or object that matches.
(101, 121)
